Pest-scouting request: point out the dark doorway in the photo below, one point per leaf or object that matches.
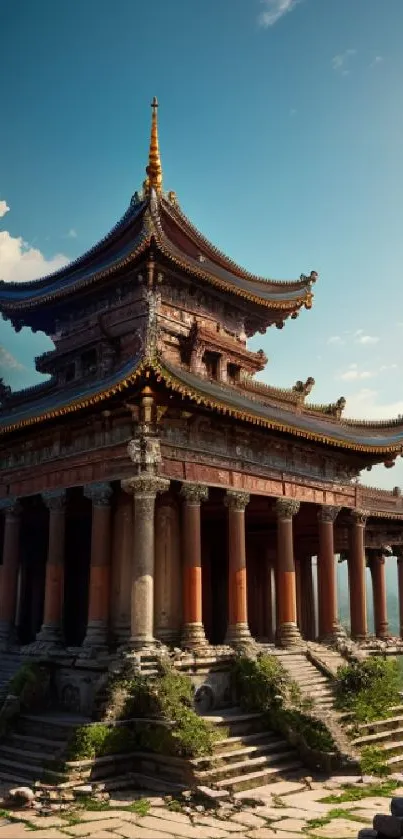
(216, 582)
(31, 588)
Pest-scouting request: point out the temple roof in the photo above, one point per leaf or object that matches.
(153, 220)
(382, 439)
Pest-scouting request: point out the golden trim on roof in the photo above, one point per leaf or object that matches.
(154, 168)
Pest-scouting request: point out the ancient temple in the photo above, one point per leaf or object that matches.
(152, 488)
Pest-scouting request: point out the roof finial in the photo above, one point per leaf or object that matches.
(154, 168)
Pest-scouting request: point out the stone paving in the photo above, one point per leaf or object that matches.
(282, 810)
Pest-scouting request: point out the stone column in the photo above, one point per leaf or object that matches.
(144, 488)
(9, 570)
(329, 626)
(377, 568)
(238, 629)
(193, 630)
(399, 554)
(98, 602)
(287, 630)
(357, 565)
(51, 629)
(168, 583)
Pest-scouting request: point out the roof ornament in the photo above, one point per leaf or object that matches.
(154, 168)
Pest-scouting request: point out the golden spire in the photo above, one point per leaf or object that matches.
(154, 168)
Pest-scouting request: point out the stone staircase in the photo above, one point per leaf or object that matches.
(386, 735)
(313, 683)
(249, 756)
(9, 665)
(36, 749)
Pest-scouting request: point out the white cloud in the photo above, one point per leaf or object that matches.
(385, 367)
(72, 234)
(377, 60)
(341, 61)
(4, 208)
(274, 10)
(335, 339)
(366, 339)
(353, 374)
(364, 405)
(8, 362)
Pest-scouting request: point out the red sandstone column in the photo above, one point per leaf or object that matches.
(9, 570)
(193, 631)
(168, 601)
(357, 565)
(377, 568)
(327, 583)
(238, 629)
(51, 629)
(399, 554)
(98, 601)
(144, 488)
(122, 549)
(287, 630)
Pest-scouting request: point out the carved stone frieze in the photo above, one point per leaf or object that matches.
(236, 500)
(359, 517)
(286, 508)
(100, 493)
(145, 485)
(145, 451)
(194, 494)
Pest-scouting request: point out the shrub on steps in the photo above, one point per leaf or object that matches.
(167, 699)
(263, 685)
(368, 688)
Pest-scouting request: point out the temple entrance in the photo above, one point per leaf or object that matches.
(77, 571)
(31, 585)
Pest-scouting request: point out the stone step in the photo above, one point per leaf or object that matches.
(260, 778)
(388, 724)
(242, 767)
(242, 754)
(259, 738)
(393, 748)
(37, 743)
(238, 724)
(9, 752)
(31, 772)
(378, 738)
(49, 727)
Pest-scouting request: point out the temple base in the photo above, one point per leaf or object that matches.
(238, 635)
(96, 639)
(288, 635)
(383, 631)
(193, 636)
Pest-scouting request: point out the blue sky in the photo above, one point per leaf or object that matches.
(281, 127)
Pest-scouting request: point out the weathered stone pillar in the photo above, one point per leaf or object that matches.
(238, 628)
(122, 566)
(51, 629)
(287, 629)
(168, 583)
(327, 583)
(144, 488)
(98, 602)
(308, 629)
(399, 554)
(9, 570)
(356, 566)
(193, 631)
(377, 568)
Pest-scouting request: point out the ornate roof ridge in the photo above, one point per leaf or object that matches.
(387, 423)
(75, 263)
(379, 491)
(175, 210)
(286, 394)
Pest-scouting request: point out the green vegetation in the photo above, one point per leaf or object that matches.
(263, 685)
(168, 698)
(337, 813)
(368, 688)
(31, 684)
(355, 793)
(373, 762)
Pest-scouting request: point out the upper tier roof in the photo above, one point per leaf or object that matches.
(153, 220)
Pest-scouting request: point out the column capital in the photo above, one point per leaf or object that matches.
(286, 508)
(236, 500)
(145, 485)
(327, 513)
(54, 499)
(194, 494)
(99, 493)
(11, 506)
(359, 517)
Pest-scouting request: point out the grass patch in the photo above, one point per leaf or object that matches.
(373, 762)
(337, 813)
(141, 807)
(353, 793)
